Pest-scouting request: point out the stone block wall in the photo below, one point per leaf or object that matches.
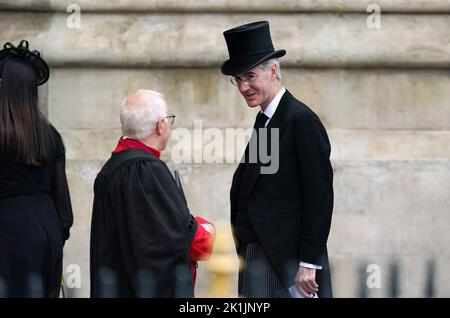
(382, 93)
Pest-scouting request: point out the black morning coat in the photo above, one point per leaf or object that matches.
(291, 209)
(141, 230)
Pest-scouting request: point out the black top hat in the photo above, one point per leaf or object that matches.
(41, 67)
(248, 45)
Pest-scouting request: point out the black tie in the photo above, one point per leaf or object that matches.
(261, 119)
(260, 122)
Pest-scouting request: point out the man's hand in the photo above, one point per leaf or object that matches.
(306, 281)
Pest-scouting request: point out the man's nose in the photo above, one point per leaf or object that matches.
(243, 86)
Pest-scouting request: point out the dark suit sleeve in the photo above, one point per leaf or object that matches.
(316, 180)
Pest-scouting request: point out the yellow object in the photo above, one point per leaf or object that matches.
(223, 264)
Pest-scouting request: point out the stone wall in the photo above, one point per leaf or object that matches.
(383, 95)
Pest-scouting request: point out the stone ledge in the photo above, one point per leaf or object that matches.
(271, 6)
(348, 99)
(181, 40)
(346, 145)
(389, 144)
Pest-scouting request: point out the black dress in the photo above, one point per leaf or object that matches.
(35, 218)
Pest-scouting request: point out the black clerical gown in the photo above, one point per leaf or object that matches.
(141, 230)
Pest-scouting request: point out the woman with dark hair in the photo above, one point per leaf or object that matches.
(35, 207)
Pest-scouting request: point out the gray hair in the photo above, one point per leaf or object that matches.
(268, 64)
(140, 113)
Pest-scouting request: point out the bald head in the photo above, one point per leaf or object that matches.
(140, 112)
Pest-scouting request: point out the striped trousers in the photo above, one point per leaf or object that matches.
(259, 279)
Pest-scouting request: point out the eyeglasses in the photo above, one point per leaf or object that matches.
(171, 119)
(247, 79)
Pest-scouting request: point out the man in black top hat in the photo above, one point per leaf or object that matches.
(281, 219)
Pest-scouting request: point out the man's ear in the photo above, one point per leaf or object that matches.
(160, 126)
(274, 71)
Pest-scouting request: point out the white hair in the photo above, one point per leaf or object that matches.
(268, 64)
(140, 113)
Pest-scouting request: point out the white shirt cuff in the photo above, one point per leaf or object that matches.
(308, 265)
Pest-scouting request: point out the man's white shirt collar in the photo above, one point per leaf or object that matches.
(270, 110)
